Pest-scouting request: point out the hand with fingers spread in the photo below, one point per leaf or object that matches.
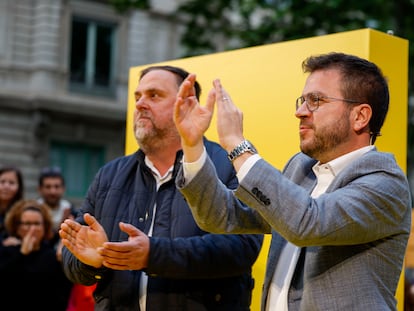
(84, 240)
(127, 255)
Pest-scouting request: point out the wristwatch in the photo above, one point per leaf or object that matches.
(244, 146)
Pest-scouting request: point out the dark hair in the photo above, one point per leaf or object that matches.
(362, 81)
(20, 191)
(13, 217)
(180, 73)
(51, 172)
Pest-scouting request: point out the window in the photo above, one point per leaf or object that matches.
(92, 57)
(79, 164)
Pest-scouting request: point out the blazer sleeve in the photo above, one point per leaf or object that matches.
(370, 191)
(215, 207)
(367, 201)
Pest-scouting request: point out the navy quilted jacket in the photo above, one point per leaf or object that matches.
(189, 269)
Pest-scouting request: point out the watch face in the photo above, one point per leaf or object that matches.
(251, 147)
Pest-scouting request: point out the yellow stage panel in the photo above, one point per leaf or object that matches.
(264, 82)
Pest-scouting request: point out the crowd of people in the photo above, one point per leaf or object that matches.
(178, 224)
(30, 246)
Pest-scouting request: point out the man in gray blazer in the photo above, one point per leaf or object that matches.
(339, 213)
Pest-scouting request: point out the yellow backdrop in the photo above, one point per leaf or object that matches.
(264, 82)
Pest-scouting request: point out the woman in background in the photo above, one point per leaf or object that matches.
(29, 268)
(11, 191)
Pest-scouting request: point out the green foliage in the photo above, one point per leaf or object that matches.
(216, 25)
(257, 22)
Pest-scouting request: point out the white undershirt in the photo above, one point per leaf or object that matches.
(144, 277)
(277, 298)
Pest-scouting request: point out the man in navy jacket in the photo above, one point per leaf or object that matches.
(136, 236)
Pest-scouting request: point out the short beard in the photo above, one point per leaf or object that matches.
(152, 140)
(326, 139)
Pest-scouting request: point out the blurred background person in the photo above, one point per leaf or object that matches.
(29, 268)
(51, 189)
(11, 190)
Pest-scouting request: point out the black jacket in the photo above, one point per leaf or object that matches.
(32, 282)
(189, 269)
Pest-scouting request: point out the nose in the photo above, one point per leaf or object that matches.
(141, 102)
(302, 111)
(138, 102)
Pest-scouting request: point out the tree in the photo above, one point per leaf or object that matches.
(245, 23)
(217, 25)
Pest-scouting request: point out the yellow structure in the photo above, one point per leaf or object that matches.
(264, 82)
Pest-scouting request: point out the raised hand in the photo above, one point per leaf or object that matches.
(229, 119)
(30, 242)
(83, 241)
(128, 255)
(192, 119)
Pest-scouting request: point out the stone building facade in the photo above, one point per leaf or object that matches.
(64, 67)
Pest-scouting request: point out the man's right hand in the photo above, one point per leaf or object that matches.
(191, 119)
(83, 241)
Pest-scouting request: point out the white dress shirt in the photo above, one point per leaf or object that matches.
(144, 277)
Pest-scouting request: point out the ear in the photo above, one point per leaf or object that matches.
(360, 117)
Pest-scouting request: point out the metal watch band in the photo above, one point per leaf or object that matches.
(244, 146)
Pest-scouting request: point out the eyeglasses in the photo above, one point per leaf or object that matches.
(313, 101)
(27, 224)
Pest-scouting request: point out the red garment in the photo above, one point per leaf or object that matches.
(81, 298)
